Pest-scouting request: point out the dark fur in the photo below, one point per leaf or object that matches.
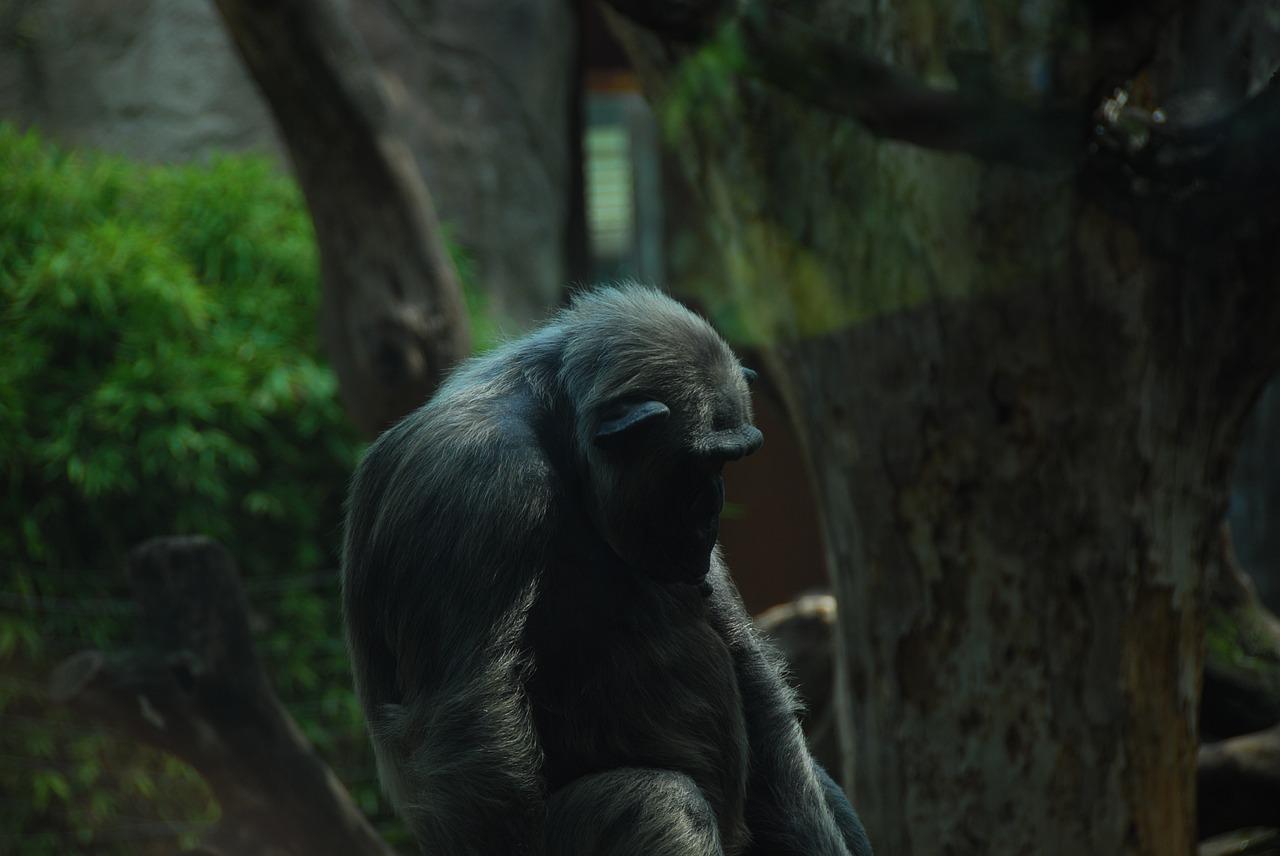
(549, 651)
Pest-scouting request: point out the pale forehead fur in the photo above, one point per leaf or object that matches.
(629, 337)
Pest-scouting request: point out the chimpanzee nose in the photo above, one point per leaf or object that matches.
(732, 444)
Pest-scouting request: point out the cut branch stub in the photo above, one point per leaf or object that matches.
(194, 605)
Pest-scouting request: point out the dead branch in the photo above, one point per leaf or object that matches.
(1239, 783)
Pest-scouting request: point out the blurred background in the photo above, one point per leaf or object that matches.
(1006, 269)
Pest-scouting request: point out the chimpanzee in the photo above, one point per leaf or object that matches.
(550, 653)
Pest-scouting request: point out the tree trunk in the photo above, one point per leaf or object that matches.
(1018, 543)
(1020, 389)
(393, 319)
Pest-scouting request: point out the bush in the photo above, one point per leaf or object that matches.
(159, 369)
(159, 373)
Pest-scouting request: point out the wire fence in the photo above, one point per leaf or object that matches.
(119, 831)
(92, 606)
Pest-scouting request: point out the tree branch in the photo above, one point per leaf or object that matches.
(677, 20)
(815, 68)
(194, 687)
(1121, 151)
(1242, 662)
(1239, 783)
(394, 319)
(1257, 841)
(804, 631)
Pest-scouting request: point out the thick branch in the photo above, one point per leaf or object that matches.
(194, 687)
(1257, 841)
(394, 318)
(1239, 783)
(1242, 662)
(828, 74)
(1233, 150)
(1135, 152)
(678, 20)
(804, 631)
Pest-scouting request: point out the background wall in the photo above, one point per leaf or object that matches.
(159, 80)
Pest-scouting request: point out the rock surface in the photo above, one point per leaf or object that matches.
(484, 86)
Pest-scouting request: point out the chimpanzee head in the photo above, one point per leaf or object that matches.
(662, 405)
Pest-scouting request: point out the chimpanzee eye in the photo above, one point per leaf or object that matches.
(749, 375)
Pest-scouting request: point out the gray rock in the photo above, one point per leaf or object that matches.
(484, 86)
(487, 85)
(154, 80)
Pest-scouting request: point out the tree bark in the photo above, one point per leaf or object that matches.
(1019, 568)
(393, 318)
(194, 687)
(1019, 390)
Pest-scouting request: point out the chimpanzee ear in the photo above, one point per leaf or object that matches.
(626, 419)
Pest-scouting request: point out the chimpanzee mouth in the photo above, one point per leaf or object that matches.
(708, 501)
(693, 528)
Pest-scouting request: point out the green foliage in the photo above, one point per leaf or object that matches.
(704, 90)
(159, 373)
(1243, 638)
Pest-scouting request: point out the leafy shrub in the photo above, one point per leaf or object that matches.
(159, 367)
(159, 373)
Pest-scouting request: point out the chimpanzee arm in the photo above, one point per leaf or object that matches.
(788, 808)
(442, 561)
(855, 837)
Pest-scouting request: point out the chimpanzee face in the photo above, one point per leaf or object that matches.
(657, 470)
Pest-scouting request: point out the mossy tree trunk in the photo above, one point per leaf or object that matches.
(1019, 326)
